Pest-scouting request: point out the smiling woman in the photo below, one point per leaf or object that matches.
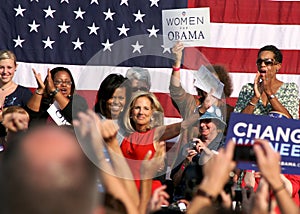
(55, 98)
(112, 95)
(143, 125)
(11, 94)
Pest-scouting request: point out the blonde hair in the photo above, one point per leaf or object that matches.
(157, 116)
(6, 54)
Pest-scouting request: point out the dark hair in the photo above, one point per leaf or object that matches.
(278, 55)
(57, 69)
(107, 89)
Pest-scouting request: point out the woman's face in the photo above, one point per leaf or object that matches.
(208, 129)
(142, 111)
(266, 63)
(63, 82)
(115, 105)
(7, 70)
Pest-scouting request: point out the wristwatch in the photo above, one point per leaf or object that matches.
(53, 93)
(272, 96)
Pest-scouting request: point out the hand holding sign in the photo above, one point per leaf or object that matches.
(207, 82)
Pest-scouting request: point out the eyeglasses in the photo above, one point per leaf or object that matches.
(60, 82)
(268, 62)
(134, 89)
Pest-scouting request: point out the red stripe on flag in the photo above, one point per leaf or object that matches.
(253, 11)
(238, 60)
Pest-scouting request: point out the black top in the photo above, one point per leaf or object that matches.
(18, 97)
(77, 103)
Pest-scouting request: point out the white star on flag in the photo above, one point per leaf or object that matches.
(93, 29)
(78, 44)
(49, 12)
(138, 16)
(166, 49)
(123, 30)
(107, 45)
(19, 41)
(19, 10)
(48, 43)
(33, 26)
(79, 13)
(137, 47)
(94, 1)
(109, 14)
(124, 2)
(152, 31)
(64, 1)
(154, 2)
(64, 27)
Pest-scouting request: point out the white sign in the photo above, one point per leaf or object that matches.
(191, 26)
(206, 81)
(55, 114)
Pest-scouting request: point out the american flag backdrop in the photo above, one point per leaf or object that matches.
(96, 37)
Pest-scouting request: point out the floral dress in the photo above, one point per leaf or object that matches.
(287, 95)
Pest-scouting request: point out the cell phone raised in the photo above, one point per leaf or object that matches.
(244, 153)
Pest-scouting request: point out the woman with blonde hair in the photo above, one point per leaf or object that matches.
(143, 125)
(11, 93)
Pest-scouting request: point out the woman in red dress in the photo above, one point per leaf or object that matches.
(143, 124)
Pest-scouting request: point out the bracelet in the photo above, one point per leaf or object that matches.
(272, 96)
(282, 187)
(202, 193)
(37, 92)
(182, 167)
(176, 69)
(53, 93)
(253, 104)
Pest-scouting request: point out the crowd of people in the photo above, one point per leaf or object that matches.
(60, 156)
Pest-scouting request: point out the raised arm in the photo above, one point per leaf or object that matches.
(163, 133)
(34, 102)
(268, 164)
(90, 135)
(177, 52)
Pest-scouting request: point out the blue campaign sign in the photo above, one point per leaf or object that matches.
(283, 134)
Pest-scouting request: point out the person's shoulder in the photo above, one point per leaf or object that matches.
(290, 85)
(23, 88)
(77, 96)
(249, 84)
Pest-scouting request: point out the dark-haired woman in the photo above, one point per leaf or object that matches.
(55, 98)
(112, 95)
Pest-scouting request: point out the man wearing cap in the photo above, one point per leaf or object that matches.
(197, 152)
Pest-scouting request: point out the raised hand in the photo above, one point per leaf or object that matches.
(159, 197)
(38, 77)
(258, 89)
(15, 121)
(177, 52)
(50, 84)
